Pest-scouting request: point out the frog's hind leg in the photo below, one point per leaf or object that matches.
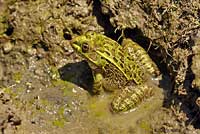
(130, 97)
(114, 79)
(110, 85)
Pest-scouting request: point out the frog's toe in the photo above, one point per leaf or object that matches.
(97, 88)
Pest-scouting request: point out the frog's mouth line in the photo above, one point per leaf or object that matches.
(76, 47)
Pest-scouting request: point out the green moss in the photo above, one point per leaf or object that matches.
(59, 122)
(7, 90)
(145, 125)
(44, 102)
(65, 87)
(61, 111)
(96, 111)
(17, 77)
(67, 91)
(59, 82)
(10, 92)
(98, 108)
(54, 74)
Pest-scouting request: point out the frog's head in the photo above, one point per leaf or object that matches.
(87, 46)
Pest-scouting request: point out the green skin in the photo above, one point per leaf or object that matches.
(117, 68)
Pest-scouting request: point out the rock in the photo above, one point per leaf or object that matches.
(196, 62)
(31, 51)
(7, 47)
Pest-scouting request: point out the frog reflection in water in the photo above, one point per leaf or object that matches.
(125, 68)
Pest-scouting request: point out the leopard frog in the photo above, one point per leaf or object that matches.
(126, 69)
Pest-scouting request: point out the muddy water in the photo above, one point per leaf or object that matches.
(137, 120)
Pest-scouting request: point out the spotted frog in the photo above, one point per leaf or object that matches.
(126, 69)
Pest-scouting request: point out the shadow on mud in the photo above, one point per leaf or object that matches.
(78, 73)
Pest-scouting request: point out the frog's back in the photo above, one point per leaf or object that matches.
(122, 60)
(143, 59)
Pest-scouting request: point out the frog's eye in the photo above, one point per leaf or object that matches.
(85, 47)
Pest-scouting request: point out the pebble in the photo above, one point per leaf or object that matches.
(32, 51)
(7, 47)
(39, 72)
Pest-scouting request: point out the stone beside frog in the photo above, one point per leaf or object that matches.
(126, 69)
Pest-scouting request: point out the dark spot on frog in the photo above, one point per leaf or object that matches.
(78, 73)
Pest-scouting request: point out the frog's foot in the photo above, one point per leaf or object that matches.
(130, 97)
(97, 85)
(97, 88)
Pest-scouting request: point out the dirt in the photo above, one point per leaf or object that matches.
(45, 87)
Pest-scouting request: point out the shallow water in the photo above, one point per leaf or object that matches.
(136, 119)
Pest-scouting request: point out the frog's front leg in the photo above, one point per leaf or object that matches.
(103, 84)
(97, 85)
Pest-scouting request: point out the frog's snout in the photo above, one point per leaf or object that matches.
(75, 45)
